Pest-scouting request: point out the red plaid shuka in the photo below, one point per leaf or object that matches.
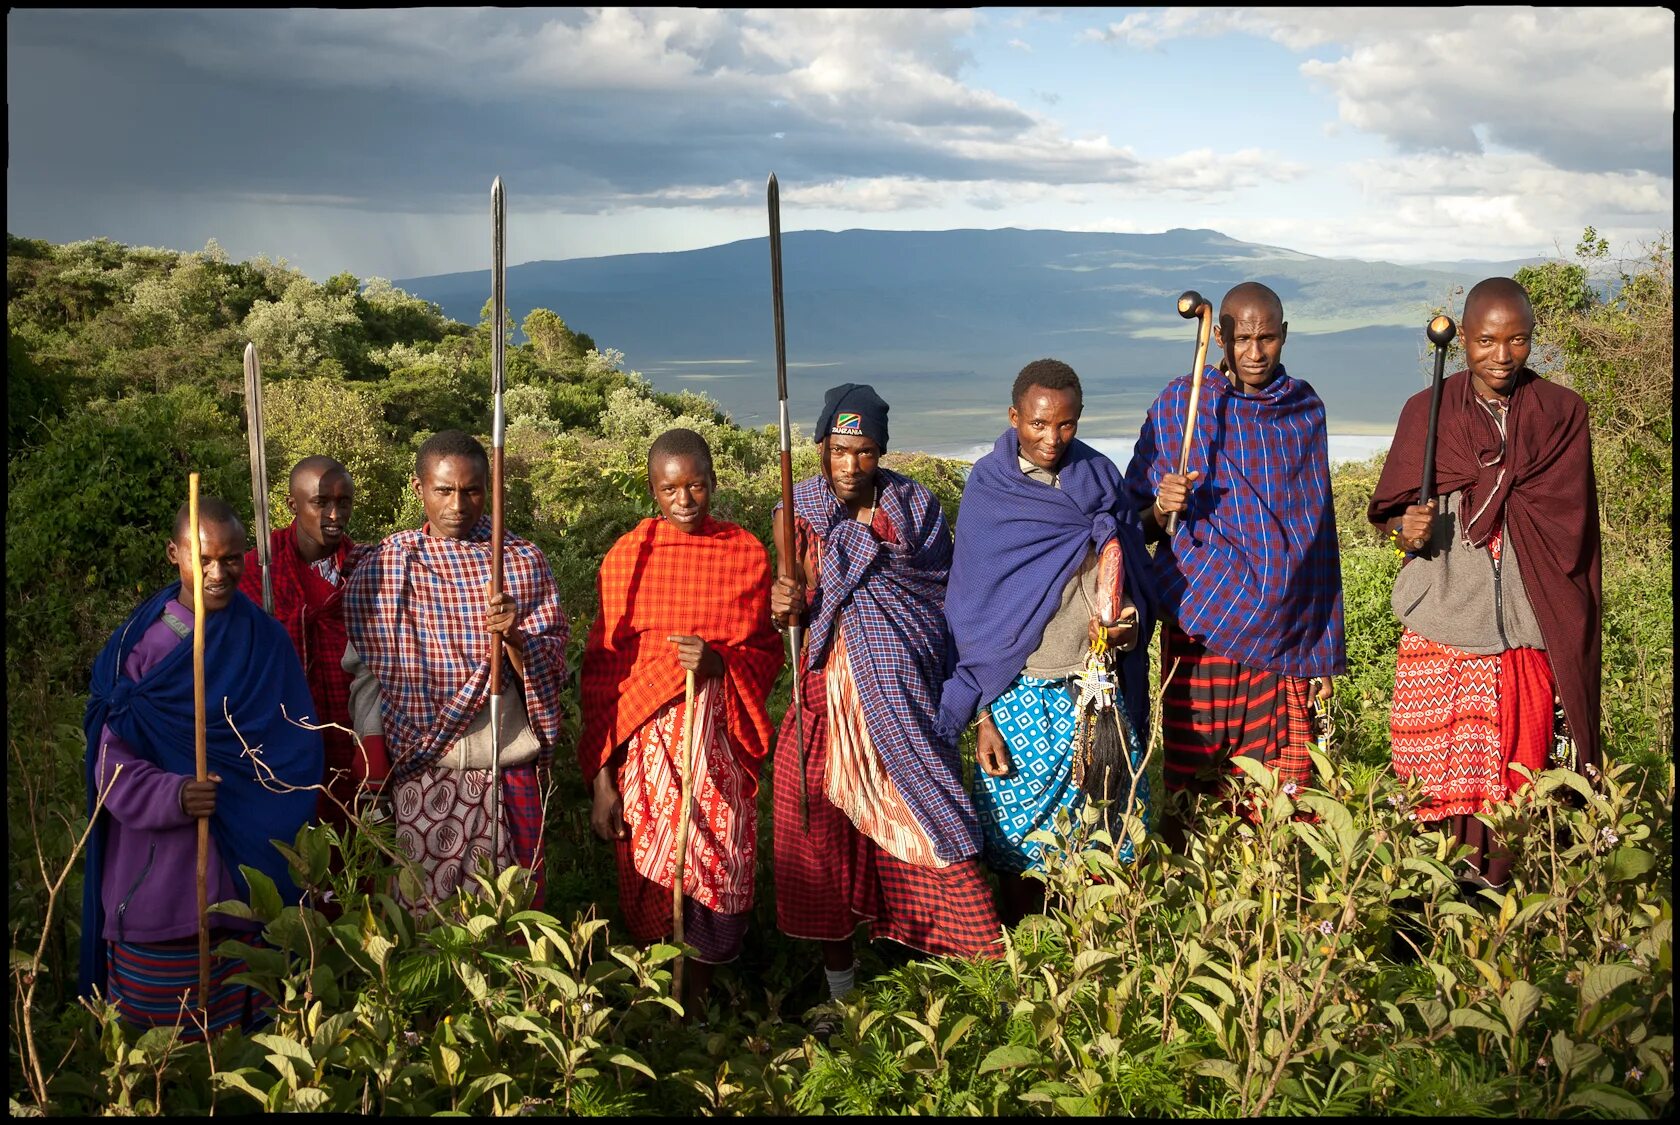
(1214, 710)
(657, 582)
(312, 610)
(414, 609)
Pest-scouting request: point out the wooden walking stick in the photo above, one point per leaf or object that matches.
(1441, 332)
(1190, 305)
(200, 753)
(498, 432)
(259, 471)
(682, 831)
(785, 561)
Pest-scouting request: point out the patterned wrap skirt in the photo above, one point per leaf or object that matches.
(444, 823)
(1038, 722)
(721, 850)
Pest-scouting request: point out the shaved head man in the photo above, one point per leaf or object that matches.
(1252, 577)
(309, 559)
(1498, 334)
(320, 494)
(1251, 331)
(1499, 596)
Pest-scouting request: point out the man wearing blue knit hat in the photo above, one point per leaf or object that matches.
(892, 834)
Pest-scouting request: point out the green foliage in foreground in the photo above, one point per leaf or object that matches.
(1260, 973)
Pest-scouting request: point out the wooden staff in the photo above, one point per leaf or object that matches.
(785, 561)
(200, 752)
(1190, 305)
(1441, 331)
(498, 431)
(682, 830)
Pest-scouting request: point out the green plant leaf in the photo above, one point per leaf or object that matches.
(265, 899)
(1601, 980)
(310, 1099)
(1520, 1001)
(1627, 864)
(477, 987)
(480, 1086)
(1223, 1069)
(630, 1060)
(1618, 1103)
(1477, 1020)
(1009, 1057)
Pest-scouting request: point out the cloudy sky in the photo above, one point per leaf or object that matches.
(367, 140)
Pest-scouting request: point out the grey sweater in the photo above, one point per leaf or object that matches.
(1455, 594)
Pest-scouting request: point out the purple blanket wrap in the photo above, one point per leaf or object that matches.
(1019, 541)
(890, 597)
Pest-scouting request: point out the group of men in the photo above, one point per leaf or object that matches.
(1046, 597)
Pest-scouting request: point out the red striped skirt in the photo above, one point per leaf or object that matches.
(1214, 710)
(1460, 721)
(720, 854)
(155, 984)
(830, 877)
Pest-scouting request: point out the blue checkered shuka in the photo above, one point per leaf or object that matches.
(1254, 572)
(890, 599)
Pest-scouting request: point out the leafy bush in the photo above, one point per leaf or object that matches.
(89, 513)
(1260, 972)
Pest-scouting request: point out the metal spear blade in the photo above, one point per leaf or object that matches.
(259, 471)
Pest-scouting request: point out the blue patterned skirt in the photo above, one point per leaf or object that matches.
(1037, 720)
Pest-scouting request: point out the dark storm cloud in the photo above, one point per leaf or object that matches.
(402, 111)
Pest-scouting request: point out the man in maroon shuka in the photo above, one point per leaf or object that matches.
(1499, 658)
(309, 560)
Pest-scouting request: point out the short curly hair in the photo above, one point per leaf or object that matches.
(680, 443)
(211, 510)
(1052, 375)
(449, 443)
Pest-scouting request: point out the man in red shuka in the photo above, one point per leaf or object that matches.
(1499, 659)
(681, 593)
(309, 560)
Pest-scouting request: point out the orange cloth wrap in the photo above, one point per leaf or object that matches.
(658, 582)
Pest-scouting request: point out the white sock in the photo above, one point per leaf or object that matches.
(841, 982)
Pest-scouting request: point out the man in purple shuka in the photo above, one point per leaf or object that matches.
(139, 907)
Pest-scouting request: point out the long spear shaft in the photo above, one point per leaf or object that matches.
(200, 753)
(259, 470)
(498, 432)
(1191, 304)
(1441, 331)
(785, 559)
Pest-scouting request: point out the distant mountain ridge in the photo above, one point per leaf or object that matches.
(940, 321)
